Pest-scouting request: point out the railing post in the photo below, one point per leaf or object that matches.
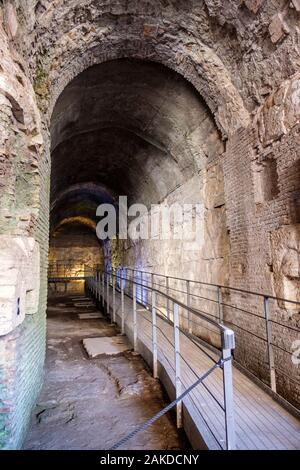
(114, 299)
(99, 281)
(98, 285)
(154, 335)
(133, 281)
(142, 297)
(122, 307)
(107, 296)
(227, 346)
(269, 342)
(151, 287)
(167, 292)
(188, 303)
(103, 289)
(220, 306)
(134, 317)
(177, 365)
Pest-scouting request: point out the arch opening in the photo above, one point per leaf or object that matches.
(138, 129)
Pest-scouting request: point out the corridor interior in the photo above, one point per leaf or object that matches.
(91, 403)
(134, 128)
(122, 128)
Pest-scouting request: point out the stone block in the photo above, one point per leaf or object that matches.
(285, 243)
(90, 316)
(19, 280)
(150, 30)
(296, 4)
(216, 240)
(278, 28)
(106, 346)
(11, 19)
(253, 5)
(280, 112)
(213, 188)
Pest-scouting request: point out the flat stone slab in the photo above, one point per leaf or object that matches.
(84, 304)
(106, 346)
(89, 316)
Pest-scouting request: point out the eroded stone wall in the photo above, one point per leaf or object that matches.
(261, 174)
(204, 258)
(23, 220)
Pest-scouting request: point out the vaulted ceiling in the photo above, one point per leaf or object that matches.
(126, 127)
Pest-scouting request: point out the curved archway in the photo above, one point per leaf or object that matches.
(139, 129)
(196, 63)
(147, 32)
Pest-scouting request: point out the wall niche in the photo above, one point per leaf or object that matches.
(265, 179)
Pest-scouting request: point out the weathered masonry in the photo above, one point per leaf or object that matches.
(192, 101)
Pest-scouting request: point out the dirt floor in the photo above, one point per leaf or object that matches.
(92, 403)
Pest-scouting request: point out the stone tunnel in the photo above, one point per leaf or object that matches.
(149, 105)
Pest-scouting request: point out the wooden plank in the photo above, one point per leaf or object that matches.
(261, 422)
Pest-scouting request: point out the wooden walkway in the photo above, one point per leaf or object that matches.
(260, 421)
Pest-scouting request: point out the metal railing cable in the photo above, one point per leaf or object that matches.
(167, 408)
(185, 333)
(214, 427)
(204, 385)
(194, 341)
(234, 307)
(157, 331)
(236, 289)
(167, 360)
(181, 304)
(213, 433)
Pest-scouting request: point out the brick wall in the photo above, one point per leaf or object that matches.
(24, 212)
(254, 214)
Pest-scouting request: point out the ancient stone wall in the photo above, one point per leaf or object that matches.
(205, 256)
(24, 217)
(261, 174)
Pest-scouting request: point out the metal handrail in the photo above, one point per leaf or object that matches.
(237, 289)
(218, 325)
(220, 306)
(100, 286)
